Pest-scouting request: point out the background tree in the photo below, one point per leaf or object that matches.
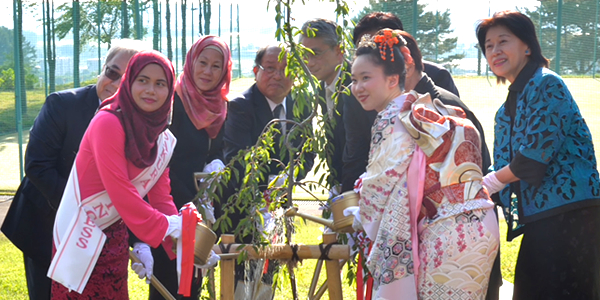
(207, 13)
(156, 27)
(169, 38)
(577, 38)
(50, 45)
(433, 29)
(183, 31)
(110, 14)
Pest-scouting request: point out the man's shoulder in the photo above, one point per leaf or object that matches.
(246, 96)
(73, 96)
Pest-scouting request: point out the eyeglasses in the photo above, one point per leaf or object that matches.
(318, 54)
(272, 70)
(112, 74)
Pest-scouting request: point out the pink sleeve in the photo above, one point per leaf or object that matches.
(108, 148)
(160, 195)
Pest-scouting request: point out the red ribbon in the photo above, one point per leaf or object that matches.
(189, 218)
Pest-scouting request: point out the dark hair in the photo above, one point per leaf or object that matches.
(373, 22)
(261, 53)
(518, 24)
(324, 29)
(411, 44)
(371, 48)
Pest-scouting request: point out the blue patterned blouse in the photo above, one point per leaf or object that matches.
(548, 146)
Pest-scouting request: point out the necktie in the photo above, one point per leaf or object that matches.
(277, 114)
(329, 101)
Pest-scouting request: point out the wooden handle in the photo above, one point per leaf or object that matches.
(153, 280)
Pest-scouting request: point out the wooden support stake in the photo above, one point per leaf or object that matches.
(334, 280)
(227, 272)
(285, 252)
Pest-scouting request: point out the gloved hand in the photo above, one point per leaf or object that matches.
(492, 184)
(335, 190)
(209, 212)
(277, 180)
(357, 223)
(214, 166)
(212, 261)
(144, 269)
(174, 229)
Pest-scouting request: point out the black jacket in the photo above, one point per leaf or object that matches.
(194, 149)
(247, 116)
(336, 141)
(53, 144)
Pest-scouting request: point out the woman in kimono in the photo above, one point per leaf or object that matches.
(123, 158)
(432, 229)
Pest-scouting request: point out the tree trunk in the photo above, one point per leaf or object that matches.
(207, 17)
(124, 20)
(200, 18)
(51, 47)
(21, 60)
(169, 40)
(155, 29)
(183, 31)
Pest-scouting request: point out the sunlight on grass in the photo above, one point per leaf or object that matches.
(13, 284)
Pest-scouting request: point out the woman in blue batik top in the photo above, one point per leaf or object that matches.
(546, 176)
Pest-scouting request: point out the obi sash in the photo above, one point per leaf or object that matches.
(78, 235)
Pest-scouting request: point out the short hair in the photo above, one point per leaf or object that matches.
(325, 29)
(518, 24)
(261, 53)
(397, 66)
(373, 22)
(127, 46)
(415, 52)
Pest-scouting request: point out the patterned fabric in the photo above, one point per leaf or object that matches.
(109, 277)
(384, 199)
(549, 129)
(458, 238)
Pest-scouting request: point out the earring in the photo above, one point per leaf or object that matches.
(526, 51)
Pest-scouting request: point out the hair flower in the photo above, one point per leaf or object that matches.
(386, 41)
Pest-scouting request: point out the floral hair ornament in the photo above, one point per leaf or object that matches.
(387, 40)
(367, 41)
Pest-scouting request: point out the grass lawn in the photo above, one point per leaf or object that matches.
(13, 284)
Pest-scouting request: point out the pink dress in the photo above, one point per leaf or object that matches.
(101, 165)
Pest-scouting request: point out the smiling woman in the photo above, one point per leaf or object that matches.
(150, 89)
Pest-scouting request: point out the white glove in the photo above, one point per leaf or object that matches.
(277, 180)
(214, 166)
(492, 184)
(357, 223)
(209, 212)
(174, 229)
(212, 261)
(144, 269)
(335, 190)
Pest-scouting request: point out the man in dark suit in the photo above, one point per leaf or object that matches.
(358, 122)
(53, 144)
(328, 65)
(247, 116)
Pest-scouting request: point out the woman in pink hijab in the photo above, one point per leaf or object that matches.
(199, 110)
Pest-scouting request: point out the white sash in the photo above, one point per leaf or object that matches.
(78, 235)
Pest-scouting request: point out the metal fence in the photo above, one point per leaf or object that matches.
(62, 44)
